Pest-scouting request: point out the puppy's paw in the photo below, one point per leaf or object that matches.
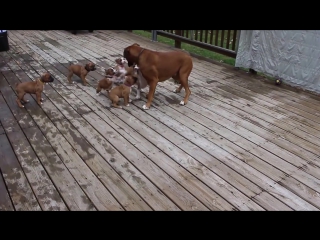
(41, 103)
(40, 100)
(22, 106)
(73, 82)
(144, 90)
(128, 105)
(182, 103)
(144, 107)
(130, 100)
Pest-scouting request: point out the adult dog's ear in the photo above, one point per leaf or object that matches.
(126, 52)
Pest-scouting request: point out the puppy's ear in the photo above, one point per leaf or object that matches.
(87, 66)
(136, 44)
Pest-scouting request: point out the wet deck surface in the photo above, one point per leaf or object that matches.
(239, 144)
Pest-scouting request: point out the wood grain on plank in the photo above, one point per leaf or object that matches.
(19, 188)
(5, 201)
(122, 191)
(69, 189)
(45, 191)
(186, 180)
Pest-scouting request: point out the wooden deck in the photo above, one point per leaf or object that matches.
(239, 144)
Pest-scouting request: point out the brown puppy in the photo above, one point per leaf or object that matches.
(80, 71)
(159, 66)
(106, 83)
(34, 87)
(122, 91)
(110, 72)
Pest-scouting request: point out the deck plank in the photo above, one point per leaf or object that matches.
(19, 188)
(45, 191)
(69, 189)
(5, 201)
(122, 191)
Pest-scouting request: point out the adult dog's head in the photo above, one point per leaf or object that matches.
(132, 53)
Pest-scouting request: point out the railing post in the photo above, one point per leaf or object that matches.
(177, 43)
(238, 39)
(191, 34)
(154, 36)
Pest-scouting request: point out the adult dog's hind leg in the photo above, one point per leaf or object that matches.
(184, 73)
(150, 95)
(177, 79)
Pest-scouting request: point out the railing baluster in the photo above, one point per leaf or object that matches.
(202, 39)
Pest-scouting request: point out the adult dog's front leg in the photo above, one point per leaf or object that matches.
(150, 95)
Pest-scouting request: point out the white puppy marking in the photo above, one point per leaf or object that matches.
(27, 100)
(128, 105)
(138, 94)
(145, 107)
(175, 91)
(182, 103)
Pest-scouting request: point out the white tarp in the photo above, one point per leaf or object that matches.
(293, 55)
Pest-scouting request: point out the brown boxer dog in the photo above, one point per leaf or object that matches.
(122, 91)
(80, 71)
(159, 66)
(34, 87)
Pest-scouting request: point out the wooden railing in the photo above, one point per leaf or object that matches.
(220, 41)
